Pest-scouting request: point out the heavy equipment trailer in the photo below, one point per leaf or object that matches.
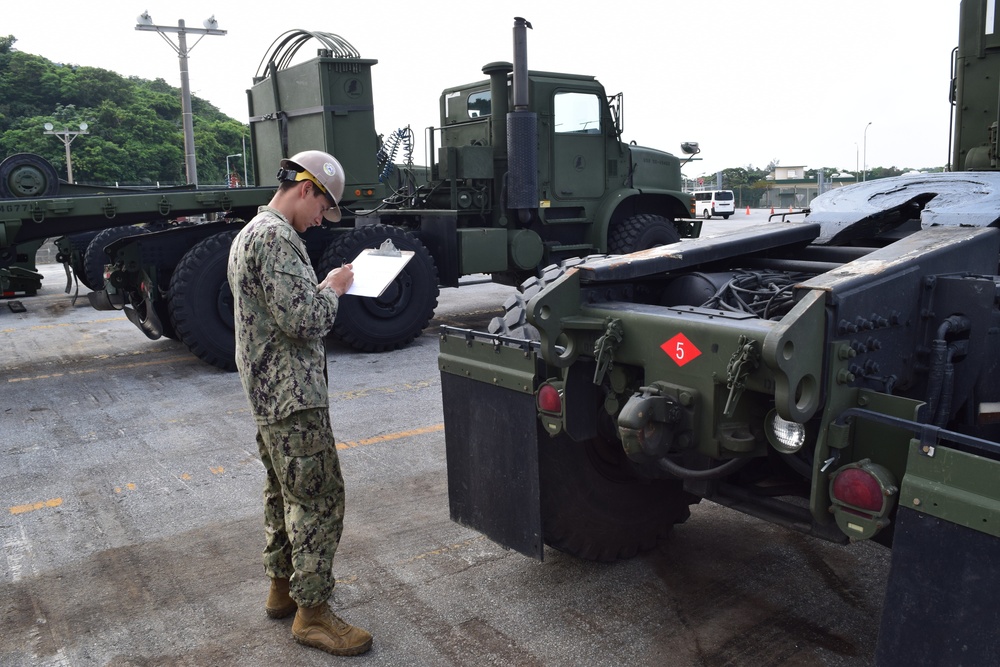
(531, 169)
(837, 376)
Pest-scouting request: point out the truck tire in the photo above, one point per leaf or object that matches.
(162, 310)
(514, 323)
(27, 175)
(403, 311)
(594, 508)
(641, 232)
(200, 303)
(95, 259)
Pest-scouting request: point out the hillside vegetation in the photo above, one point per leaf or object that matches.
(135, 135)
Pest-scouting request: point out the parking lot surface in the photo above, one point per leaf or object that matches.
(131, 527)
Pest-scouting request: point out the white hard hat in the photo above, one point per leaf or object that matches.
(323, 170)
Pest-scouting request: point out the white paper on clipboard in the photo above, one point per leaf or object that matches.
(373, 271)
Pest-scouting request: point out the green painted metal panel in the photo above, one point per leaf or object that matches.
(482, 250)
(952, 485)
(324, 103)
(488, 361)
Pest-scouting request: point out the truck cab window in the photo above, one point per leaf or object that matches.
(479, 104)
(577, 113)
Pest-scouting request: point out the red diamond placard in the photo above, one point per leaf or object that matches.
(681, 349)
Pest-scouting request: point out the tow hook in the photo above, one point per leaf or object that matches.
(654, 422)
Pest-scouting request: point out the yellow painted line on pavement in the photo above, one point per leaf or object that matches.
(351, 444)
(21, 509)
(218, 470)
(352, 394)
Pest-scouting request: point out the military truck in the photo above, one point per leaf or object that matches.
(837, 375)
(531, 169)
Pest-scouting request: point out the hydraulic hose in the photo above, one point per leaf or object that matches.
(717, 472)
(940, 362)
(947, 391)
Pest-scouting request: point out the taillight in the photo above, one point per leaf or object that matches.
(862, 495)
(549, 399)
(858, 488)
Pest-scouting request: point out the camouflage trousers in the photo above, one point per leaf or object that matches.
(303, 503)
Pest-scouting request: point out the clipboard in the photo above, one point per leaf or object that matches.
(375, 268)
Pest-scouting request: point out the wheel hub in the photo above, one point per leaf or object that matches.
(26, 181)
(393, 300)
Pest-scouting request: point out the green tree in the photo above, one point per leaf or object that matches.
(135, 134)
(742, 181)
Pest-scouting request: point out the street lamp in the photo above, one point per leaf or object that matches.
(864, 174)
(67, 136)
(144, 22)
(229, 179)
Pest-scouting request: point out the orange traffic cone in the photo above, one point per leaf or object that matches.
(789, 209)
(772, 210)
(748, 210)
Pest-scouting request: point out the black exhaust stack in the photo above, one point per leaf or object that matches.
(522, 134)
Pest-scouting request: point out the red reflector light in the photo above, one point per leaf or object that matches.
(859, 488)
(549, 399)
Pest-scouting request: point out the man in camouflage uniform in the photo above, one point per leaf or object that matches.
(282, 316)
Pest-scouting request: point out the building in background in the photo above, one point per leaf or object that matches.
(796, 186)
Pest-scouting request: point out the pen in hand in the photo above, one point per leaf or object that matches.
(339, 279)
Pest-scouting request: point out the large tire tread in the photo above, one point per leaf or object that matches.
(200, 304)
(514, 322)
(594, 508)
(641, 232)
(394, 320)
(95, 258)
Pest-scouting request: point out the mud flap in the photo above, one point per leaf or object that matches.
(149, 325)
(491, 438)
(941, 601)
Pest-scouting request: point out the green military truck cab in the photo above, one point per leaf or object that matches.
(531, 169)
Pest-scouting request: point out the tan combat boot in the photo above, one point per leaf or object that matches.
(279, 603)
(321, 628)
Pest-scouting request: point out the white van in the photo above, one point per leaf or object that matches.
(709, 203)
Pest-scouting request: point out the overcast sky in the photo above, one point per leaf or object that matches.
(790, 80)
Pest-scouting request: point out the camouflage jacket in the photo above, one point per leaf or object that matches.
(280, 319)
